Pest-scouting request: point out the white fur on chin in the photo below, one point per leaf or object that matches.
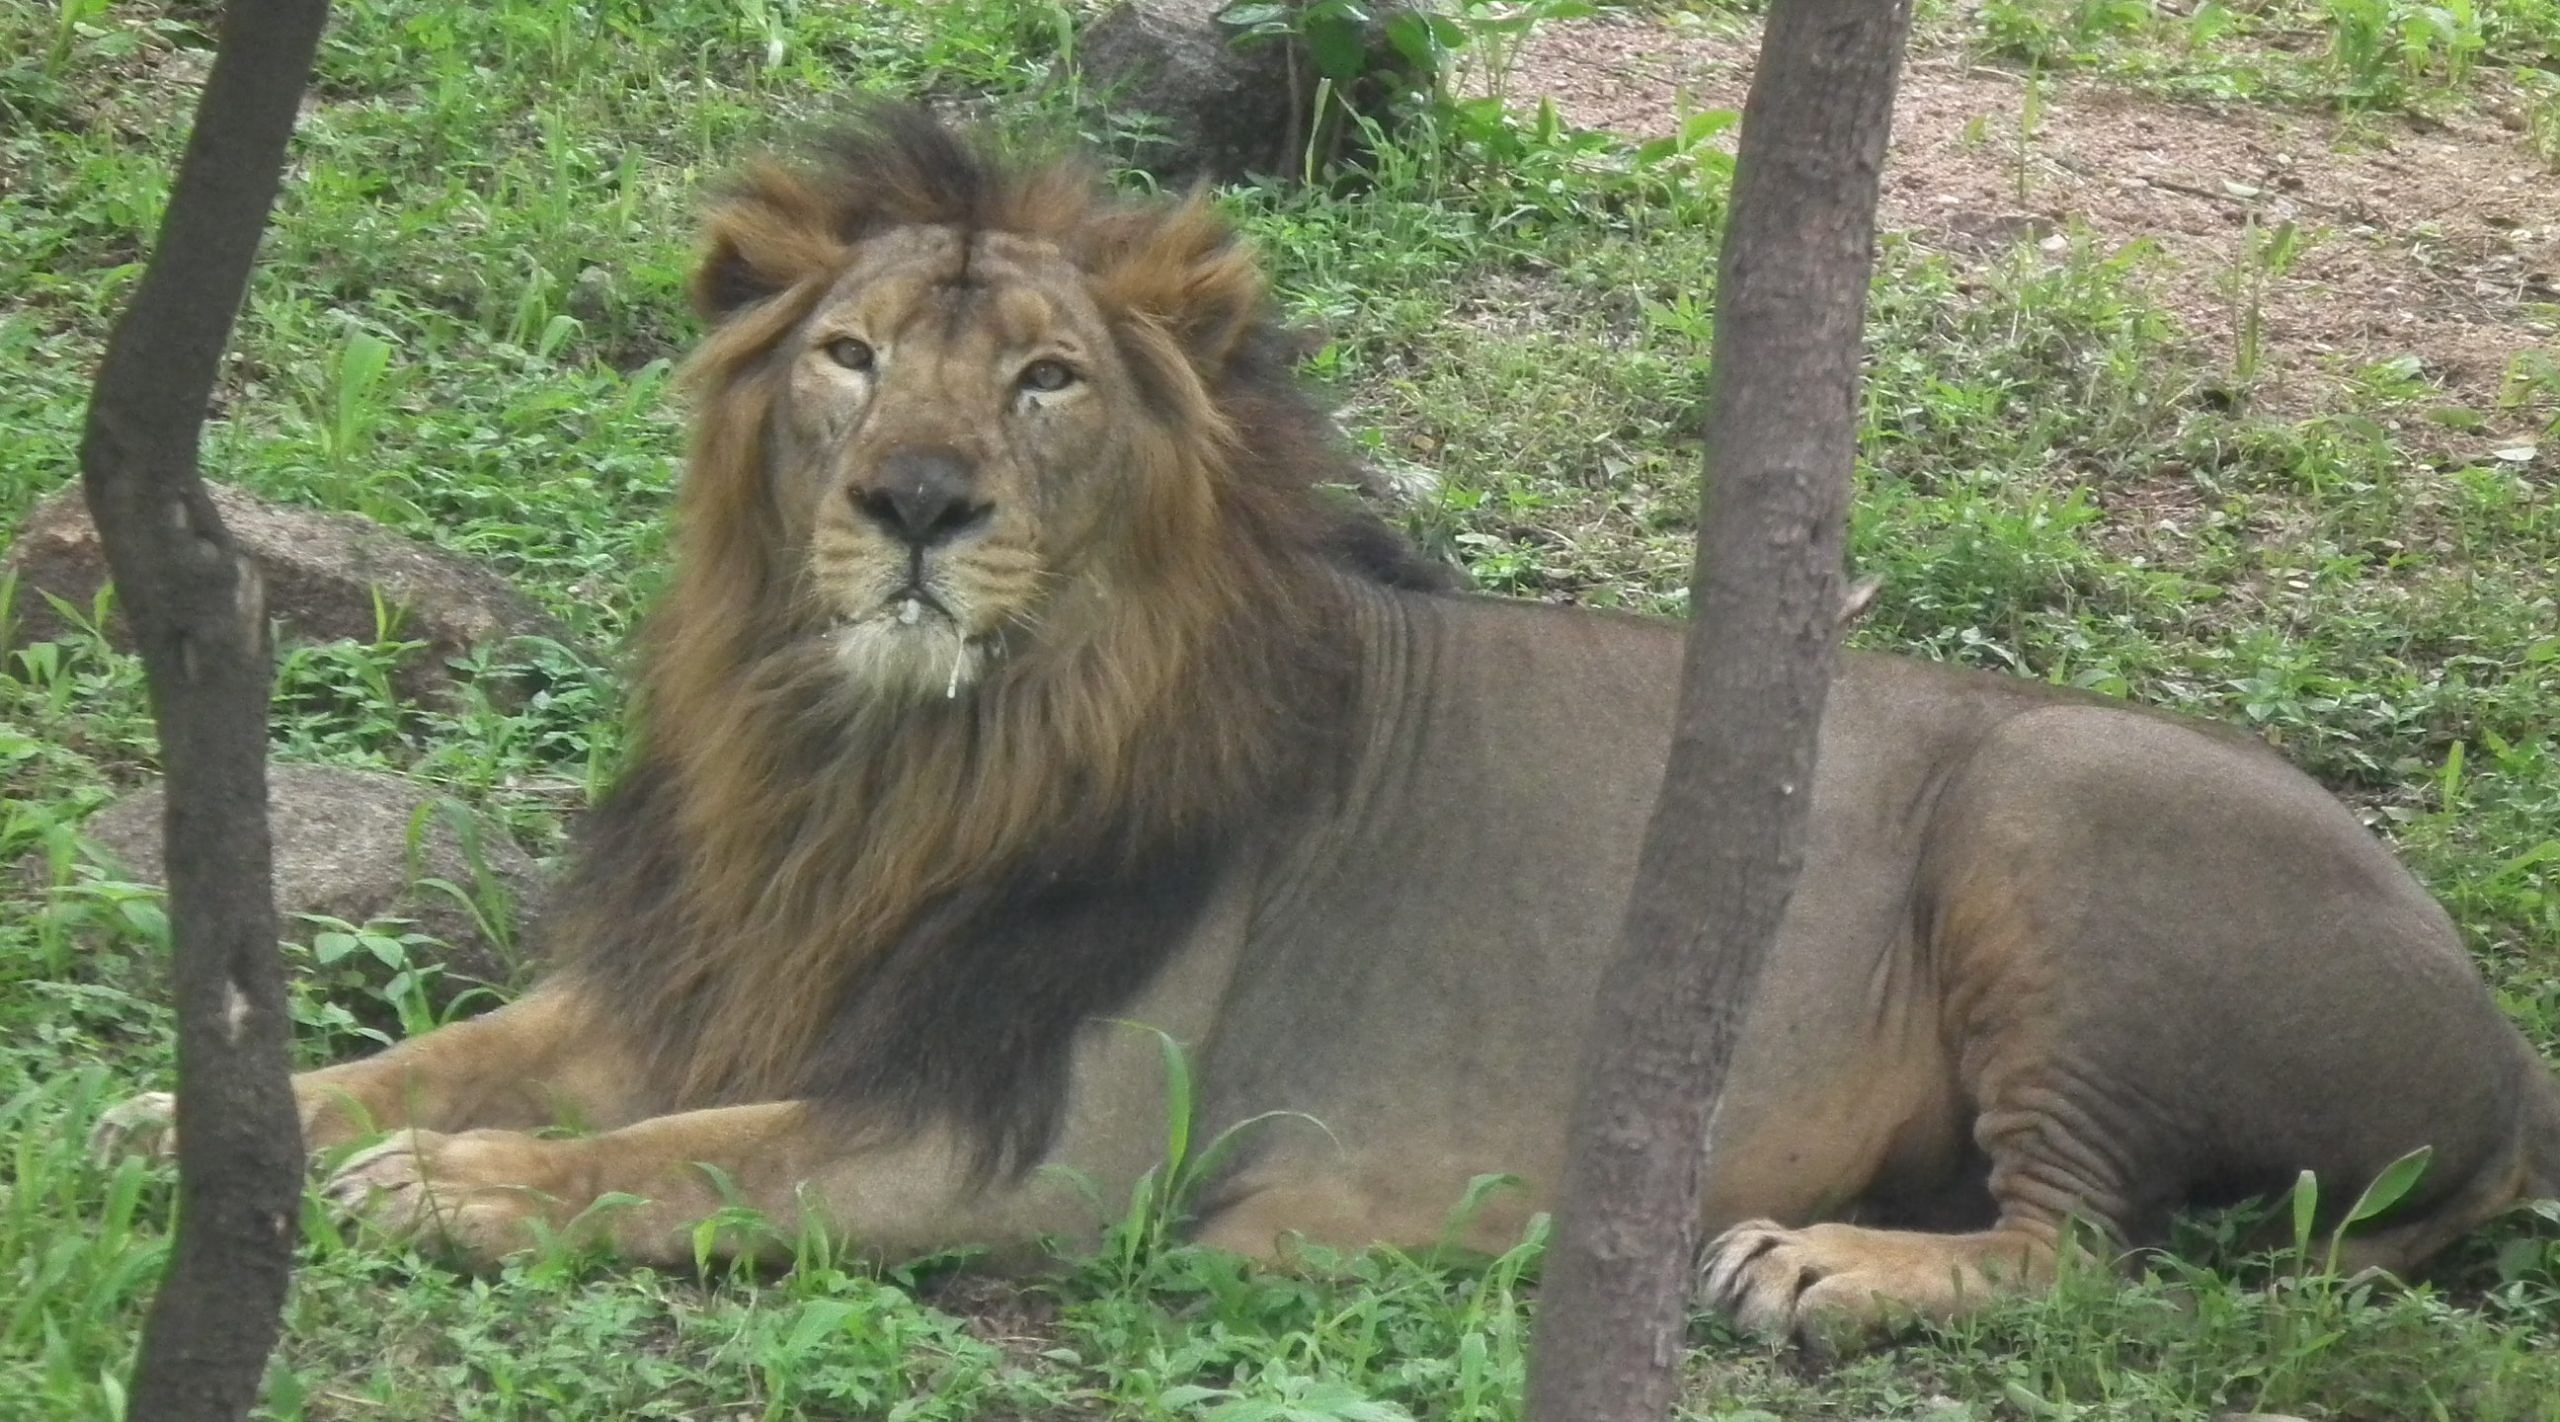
(926, 657)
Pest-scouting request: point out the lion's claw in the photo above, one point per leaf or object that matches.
(1737, 1280)
(384, 1183)
(145, 1125)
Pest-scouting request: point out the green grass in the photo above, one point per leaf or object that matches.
(462, 326)
(2346, 54)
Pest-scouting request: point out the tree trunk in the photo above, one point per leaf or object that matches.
(1726, 838)
(198, 617)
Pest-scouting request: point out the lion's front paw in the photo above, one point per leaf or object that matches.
(1753, 1275)
(145, 1125)
(481, 1195)
(1822, 1287)
(1832, 1285)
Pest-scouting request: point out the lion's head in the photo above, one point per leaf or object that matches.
(1002, 541)
(965, 411)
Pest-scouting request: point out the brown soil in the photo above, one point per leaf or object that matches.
(2438, 240)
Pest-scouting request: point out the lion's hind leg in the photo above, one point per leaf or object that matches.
(1832, 1283)
(2172, 971)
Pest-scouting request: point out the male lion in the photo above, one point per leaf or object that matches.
(1016, 677)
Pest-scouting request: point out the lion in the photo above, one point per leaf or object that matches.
(1018, 681)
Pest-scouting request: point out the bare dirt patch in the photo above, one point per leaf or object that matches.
(2437, 242)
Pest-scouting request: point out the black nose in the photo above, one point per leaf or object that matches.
(921, 494)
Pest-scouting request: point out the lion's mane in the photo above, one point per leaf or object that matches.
(907, 909)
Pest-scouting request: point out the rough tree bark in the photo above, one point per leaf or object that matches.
(194, 604)
(1726, 838)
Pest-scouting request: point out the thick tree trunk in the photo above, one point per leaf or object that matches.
(1726, 839)
(195, 607)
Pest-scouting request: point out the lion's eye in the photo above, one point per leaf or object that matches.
(1047, 376)
(849, 353)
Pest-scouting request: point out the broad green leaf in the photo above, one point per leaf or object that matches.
(818, 1319)
(2388, 1187)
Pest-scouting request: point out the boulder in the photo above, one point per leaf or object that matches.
(1228, 111)
(342, 849)
(322, 571)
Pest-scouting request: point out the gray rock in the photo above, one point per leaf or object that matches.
(1228, 111)
(342, 850)
(321, 570)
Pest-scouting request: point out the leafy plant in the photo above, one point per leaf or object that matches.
(2379, 46)
(2030, 122)
(1282, 1396)
(487, 898)
(344, 406)
(2048, 32)
(1161, 1199)
(1442, 47)
(1478, 39)
(73, 20)
(2266, 255)
(375, 962)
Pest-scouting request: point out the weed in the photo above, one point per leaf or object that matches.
(1161, 1201)
(2030, 120)
(2266, 255)
(2376, 47)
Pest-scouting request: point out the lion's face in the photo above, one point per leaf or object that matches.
(948, 435)
(959, 429)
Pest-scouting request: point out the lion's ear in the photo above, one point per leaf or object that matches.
(770, 232)
(1184, 268)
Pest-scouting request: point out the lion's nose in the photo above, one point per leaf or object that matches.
(922, 495)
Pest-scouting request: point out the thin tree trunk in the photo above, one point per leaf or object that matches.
(197, 612)
(1727, 836)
